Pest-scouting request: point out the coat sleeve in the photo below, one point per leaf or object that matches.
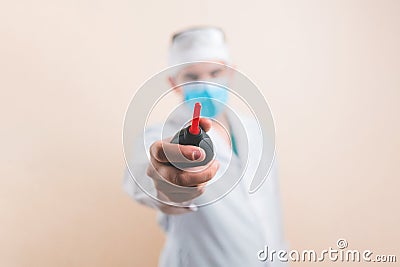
(136, 183)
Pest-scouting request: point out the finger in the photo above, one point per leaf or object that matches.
(205, 124)
(159, 171)
(185, 178)
(162, 172)
(167, 152)
(177, 194)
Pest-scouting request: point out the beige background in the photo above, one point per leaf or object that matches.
(329, 69)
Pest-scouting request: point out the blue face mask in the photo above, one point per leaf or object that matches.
(213, 98)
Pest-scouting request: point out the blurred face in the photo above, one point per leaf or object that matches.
(200, 72)
(212, 96)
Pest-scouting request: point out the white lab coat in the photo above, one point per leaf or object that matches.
(229, 232)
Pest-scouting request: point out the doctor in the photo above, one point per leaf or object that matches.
(231, 231)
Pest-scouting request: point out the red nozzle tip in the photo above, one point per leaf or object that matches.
(194, 128)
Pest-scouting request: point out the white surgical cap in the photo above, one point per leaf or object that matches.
(199, 44)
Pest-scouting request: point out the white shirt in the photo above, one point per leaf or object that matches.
(229, 232)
